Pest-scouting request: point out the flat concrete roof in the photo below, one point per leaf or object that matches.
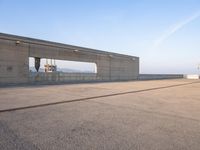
(148, 115)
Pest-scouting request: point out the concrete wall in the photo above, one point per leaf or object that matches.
(16, 50)
(159, 76)
(13, 62)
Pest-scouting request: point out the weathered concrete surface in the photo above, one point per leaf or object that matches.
(15, 51)
(160, 115)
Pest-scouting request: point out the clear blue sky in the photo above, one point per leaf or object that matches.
(165, 34)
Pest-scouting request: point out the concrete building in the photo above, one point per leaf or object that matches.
(16, 50)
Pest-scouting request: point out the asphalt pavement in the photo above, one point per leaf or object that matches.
(138, 115)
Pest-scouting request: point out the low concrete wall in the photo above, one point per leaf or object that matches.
(50, 77)
(159, 76)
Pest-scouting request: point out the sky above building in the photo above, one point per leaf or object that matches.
(165, 34)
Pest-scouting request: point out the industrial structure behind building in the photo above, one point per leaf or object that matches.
(16, 50)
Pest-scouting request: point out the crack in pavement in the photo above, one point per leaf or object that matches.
(94, 97)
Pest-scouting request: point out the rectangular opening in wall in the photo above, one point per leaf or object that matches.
(54, 65)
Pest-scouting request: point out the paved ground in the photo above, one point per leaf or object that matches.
(143, 115)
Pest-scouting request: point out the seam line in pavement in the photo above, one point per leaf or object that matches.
(94, 97)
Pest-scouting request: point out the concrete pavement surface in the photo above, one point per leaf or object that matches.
(141, 115)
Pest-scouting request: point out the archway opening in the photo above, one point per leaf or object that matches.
(65, 66)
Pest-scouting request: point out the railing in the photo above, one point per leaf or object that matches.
(60, 77)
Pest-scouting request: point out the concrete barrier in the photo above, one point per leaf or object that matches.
(159, 76)
(47, 77)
